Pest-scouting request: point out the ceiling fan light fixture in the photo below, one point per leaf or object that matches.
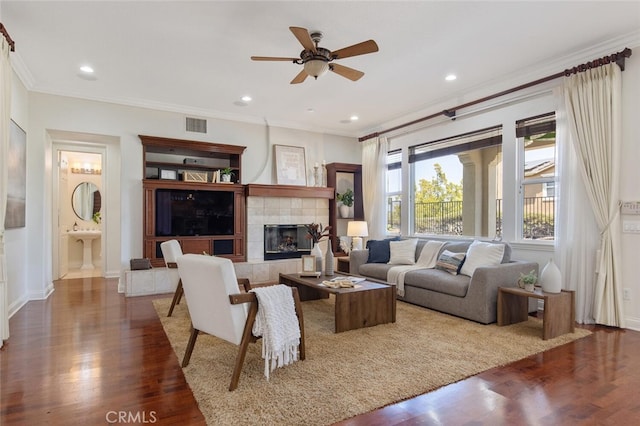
(316, 67)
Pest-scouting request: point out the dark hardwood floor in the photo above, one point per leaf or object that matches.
(88, 355)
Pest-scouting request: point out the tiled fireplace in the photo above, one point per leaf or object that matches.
(263, 211)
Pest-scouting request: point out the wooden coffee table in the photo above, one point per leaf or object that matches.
(367, 304)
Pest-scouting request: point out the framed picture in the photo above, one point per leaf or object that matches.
(17, 179)
(308, 264)
(291, 167)
(168, 174)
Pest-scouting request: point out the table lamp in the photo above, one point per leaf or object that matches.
(357, 230)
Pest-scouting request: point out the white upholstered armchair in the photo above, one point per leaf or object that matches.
(217, 306)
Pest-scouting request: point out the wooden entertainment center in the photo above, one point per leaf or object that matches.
(183, 166)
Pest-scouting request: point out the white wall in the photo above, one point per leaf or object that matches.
(53, 118)
(629, 179)
(16, 239)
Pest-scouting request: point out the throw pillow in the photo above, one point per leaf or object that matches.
(403, 252)
(379, 251)
(450, 262)
(482, 254)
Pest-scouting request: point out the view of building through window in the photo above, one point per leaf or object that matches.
(538, 195)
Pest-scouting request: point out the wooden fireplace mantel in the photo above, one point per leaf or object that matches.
(290, 191)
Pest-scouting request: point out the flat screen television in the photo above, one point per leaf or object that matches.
(181, 212)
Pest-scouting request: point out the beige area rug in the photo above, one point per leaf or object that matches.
(348, 373)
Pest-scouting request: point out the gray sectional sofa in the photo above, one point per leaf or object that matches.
(472, 297)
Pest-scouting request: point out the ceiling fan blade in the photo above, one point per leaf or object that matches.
(304, 38)
(363, 48)
(270, 58)
(347, 72)
(300, 77)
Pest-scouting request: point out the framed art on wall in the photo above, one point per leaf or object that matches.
(17, 181)
(291, 167)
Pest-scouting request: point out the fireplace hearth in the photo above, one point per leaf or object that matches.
(285, 242)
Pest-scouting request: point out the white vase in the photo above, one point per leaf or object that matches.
(328, 260)
(344, 211)
(550, 278)
(317, 252)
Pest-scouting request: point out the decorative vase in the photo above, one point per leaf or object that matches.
(344, 211)
(328, 260)
(226, 178)
(530, 287)
(550, 278)
(317, 252)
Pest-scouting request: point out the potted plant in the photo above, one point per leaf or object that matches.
(225, 174)
(528, 281)
(346, 198)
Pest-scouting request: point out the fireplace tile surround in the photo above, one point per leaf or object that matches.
(276, 211)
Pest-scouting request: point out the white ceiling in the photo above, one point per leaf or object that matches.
(193, 57)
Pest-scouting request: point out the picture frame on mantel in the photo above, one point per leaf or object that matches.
(290, 164)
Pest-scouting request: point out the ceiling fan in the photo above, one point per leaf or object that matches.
(317, 60)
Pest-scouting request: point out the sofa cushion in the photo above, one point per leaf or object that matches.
(438, 280)
(379, 251)
(482, 254)
(403, 252)
(450, 262)
(375, 270)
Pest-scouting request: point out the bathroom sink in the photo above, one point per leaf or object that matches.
(86, 237)
(86, 234)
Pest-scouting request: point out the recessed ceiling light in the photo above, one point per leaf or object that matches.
(246, 98)
(87, 69)
(353, 117)
(450, 77)
(311, 110)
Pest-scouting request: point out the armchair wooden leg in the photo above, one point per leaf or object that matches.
(247, 337)
(298, 305)
(176, 297)
(190, 345)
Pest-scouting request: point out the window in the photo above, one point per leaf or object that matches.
(394, 191)
(537, 176)
(457, 184)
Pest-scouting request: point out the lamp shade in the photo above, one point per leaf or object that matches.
(357, 229)
(316, 67)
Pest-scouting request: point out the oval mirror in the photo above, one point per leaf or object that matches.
(86, 200)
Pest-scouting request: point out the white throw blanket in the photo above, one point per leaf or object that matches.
(278, 325)
(428, 258)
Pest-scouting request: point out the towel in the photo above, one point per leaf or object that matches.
(428, 258)
(278, 325)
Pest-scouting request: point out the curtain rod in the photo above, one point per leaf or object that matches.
(3, 31)
(618, 58)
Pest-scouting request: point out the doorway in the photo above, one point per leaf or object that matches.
(80, 198)
(108, 149)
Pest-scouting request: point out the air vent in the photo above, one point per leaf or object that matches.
(198, 125)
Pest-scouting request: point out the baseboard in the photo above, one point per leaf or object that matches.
(633, 323)
(15, 306)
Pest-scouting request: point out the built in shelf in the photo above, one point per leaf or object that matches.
(290, 191)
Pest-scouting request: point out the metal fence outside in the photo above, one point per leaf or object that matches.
(445, 218)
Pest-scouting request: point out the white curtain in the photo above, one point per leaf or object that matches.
(592, 102)
(577, 235)
(374, 166)
(5, 121)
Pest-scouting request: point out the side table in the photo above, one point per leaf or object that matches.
(343, 264)
(559, 309)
